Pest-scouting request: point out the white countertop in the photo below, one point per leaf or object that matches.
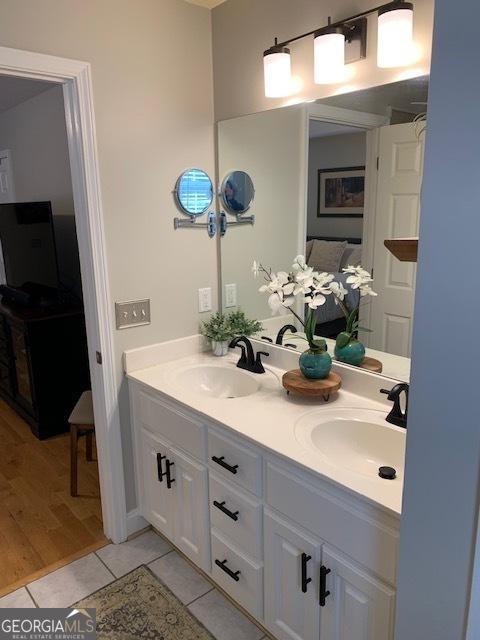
(268, 417)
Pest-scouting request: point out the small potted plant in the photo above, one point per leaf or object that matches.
(219, 331)
(241, 325)
(315, 362)
(348, 348)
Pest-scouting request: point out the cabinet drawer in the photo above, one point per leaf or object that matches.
(173, 425)
(233, 461)
(236, 515)
(241, 577)
(373, 544)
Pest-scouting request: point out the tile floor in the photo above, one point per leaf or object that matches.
(88, 574)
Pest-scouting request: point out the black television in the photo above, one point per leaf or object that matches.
(28, 256)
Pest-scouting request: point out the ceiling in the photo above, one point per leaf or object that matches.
(13, 91)
(210, 4)
(406, 95)
(320, 129)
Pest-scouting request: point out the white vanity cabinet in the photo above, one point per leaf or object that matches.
(306, 558)
(313, 591)
(172, 485)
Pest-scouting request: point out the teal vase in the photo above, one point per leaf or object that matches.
(352, 353)
(315, 365)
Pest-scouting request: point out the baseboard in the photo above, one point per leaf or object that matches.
(135, 522)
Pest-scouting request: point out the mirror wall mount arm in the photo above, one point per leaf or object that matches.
(210, 226)
(340, 23)
(241, 220)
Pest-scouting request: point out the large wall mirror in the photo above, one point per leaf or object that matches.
(333, 181)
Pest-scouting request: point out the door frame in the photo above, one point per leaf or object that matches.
(76, 80)
(6, 153)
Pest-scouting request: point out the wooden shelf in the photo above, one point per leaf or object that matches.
(405, 249)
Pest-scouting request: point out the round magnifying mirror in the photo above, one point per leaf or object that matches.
(237, 192)
(194, 192)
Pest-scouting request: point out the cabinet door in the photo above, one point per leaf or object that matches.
(190, 495)
(291, 608)
(156, 497)
(359, 607)
(22, 368)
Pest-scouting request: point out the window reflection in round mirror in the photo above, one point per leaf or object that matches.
(237, 192)
(194, 192)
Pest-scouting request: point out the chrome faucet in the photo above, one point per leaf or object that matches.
(398, 415)
(248, 361)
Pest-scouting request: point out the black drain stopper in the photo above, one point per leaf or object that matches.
(387, 473)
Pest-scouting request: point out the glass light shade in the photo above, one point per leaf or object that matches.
(277, 72)
(395, 37)
(329, 58)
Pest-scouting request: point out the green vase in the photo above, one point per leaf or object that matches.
(352, 353)
(315, 365)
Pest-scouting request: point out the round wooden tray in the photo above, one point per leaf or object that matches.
(372, 364)
(295, 381)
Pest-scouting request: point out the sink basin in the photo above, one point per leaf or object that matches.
(217, 381)
(357, 440)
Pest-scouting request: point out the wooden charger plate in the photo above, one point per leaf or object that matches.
(295, 381)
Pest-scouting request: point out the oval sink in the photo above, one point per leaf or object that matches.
(359, 440)
(218, 381)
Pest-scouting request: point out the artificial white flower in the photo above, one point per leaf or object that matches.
(255, 268)
(277, 302)
(299, 262)
(366, 290)
(338, 291)
(316, 301)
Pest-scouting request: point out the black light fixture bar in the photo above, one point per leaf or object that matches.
(341, 23)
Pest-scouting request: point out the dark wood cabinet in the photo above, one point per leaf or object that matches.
(43, 365)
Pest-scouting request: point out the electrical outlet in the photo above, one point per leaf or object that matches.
(230, 295)
(204, 300)
(132, 314)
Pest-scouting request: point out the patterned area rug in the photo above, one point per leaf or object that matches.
(138, 605)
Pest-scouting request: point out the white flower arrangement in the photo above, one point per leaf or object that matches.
(314, 286)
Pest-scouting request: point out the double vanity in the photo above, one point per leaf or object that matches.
(276, 497)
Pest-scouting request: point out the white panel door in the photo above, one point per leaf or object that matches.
(291, 612)
(359, 607)
(156, 497)
(192, 517)
(7, 191)
(397, 216)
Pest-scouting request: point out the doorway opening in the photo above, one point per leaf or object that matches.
(70, 276)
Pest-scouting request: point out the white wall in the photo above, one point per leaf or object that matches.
(35, 132)
(331, 152)
(271, 148)
(440, 500)
(243, 29)
(152, 87)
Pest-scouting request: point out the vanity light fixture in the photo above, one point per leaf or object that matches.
(277, 71)
(343, 42)
(395, 34)
(329, 55)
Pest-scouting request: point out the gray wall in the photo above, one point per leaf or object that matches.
(440, 499)
(243, 29)
(329, 153)
(35, 132)
(153, 96)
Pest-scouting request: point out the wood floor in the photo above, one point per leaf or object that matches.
(40, 523)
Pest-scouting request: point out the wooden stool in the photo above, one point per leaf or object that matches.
(81, 424)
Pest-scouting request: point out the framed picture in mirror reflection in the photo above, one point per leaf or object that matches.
(341, 192)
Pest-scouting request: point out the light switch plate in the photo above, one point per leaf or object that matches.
(204, 300)
(230, 295)
(133, 313)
